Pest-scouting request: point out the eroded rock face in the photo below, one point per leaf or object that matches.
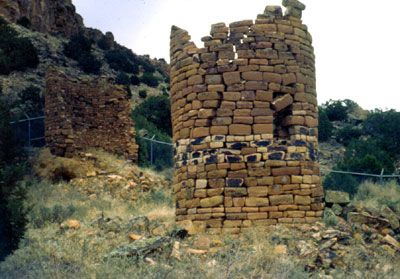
(47, 16)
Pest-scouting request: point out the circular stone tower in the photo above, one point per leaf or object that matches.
(245, 118)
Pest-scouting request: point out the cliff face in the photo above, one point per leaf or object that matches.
(47, 16)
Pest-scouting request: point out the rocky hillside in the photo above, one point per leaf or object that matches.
(96, 216)
(56, 17)
(60, 39)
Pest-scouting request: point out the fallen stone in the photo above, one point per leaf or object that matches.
(196, 251)
(391, 217)
(273, 11)
(280, 250)
(282, 102)
(392, 241)
(134, 237)
(366, 219)
(141, 248)
(294, 4)
(202, 242)
(337, 209)
(337, 197)
(71, 225)
(150, 261)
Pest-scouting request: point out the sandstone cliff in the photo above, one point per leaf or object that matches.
(47, 16)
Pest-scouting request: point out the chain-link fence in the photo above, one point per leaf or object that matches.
(159, 154)
(29, 131)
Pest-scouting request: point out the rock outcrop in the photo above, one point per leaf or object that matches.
(46, 16)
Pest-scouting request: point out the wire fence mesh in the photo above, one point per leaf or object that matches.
(29, 131)
(159, 154)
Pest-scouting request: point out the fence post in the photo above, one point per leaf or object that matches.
(151, 150)
(381, 176)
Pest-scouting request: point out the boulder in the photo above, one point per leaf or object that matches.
(391, 217)
(142, 248)
(338, 197)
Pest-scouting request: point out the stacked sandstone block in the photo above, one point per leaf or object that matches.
(245, 117)
(90, 113)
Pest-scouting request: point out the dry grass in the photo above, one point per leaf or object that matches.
(51, 252)
(374, 195)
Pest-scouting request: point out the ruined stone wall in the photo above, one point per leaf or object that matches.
(89, 113)
(244, 114)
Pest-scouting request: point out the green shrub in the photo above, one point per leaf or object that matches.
(12, 210)
(325, 128)
(341, 182)
(366, 155)
(157, 110)
(153, 116)
(31, 99)
(135, 80)
(383, 127)
(377, 195)
(16, 53)
(147, 66)
(25, 22)
(41, 216)
(77, 46)
(122, 78)
(104, 43)
(149, 79)
(89, 63)
(348, 133)
(330, 219)
(122, 59)
(10, 147)
(143, 94)
(337, 110)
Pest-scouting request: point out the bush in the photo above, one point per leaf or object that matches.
(383, 127)
(24, 21)
(122, 59)
(39, 217)
(104, 43)
(366, 155)
(341, 182)
(16, 53)
(89, 64)
(149, 79)
(337, 110)
(153, 116)
(143, 94)
(9, 148)
(135, 80)
(122, 79)
(32, 101)
(157, 110)
(377, 195)
(77, 46)
(325, 128)
(348, 133)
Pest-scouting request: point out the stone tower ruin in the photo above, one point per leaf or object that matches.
(245, 119)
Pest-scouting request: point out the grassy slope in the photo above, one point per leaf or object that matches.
(106, 187)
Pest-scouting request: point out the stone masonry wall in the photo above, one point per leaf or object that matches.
(245, 118)
(87, 113)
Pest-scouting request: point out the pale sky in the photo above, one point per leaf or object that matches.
(357, 42)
